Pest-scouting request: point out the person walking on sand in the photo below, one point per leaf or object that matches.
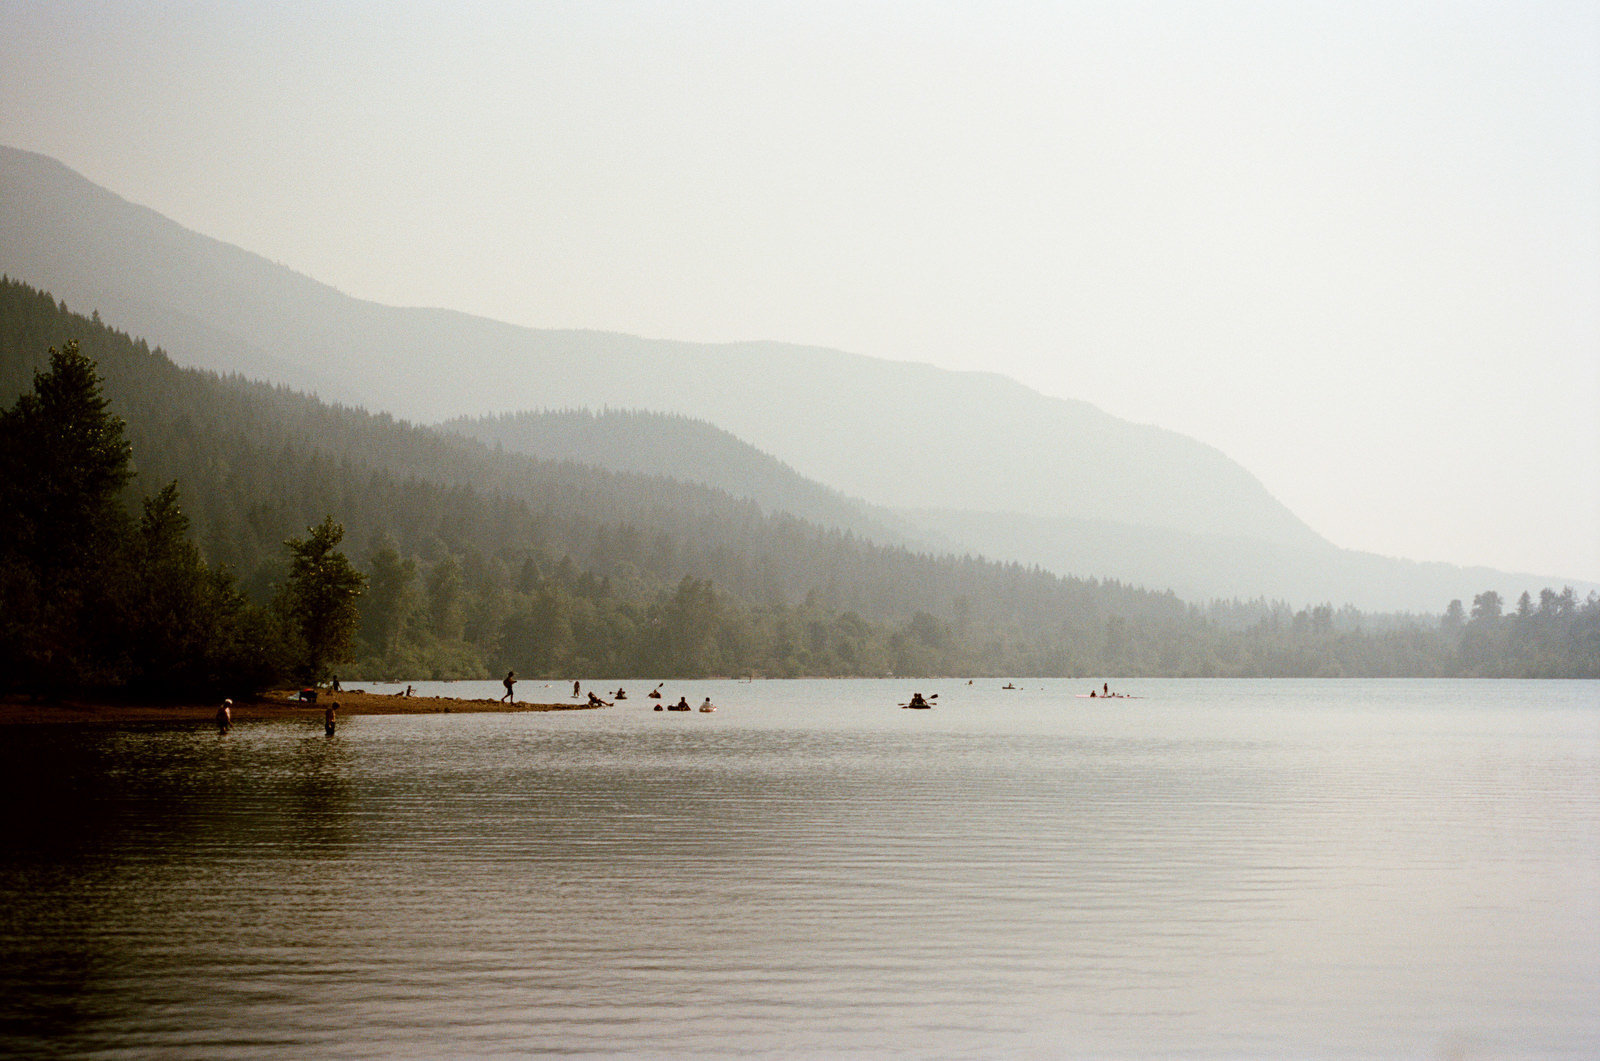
(225, 716)
(509, 681)
(330, 716)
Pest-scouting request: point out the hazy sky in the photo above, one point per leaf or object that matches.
(1354, 246)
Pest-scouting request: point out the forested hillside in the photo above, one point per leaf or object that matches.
(481, 559)
(987, 465)
(688, 450)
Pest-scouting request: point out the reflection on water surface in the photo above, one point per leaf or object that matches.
(1328, 869)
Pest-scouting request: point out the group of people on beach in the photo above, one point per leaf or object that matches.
(595, 700)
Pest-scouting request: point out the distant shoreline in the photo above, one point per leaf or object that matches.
(278, 705)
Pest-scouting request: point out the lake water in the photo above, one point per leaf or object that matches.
(1340, 869)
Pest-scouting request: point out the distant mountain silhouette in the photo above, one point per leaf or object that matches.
(1213, 566)
(1201, 567)
(1015, 474)
(688, 450)
(894, 433)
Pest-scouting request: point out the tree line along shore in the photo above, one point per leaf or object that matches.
(176, 535)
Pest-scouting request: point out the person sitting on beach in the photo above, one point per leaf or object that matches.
(509, 681)
(225, 716)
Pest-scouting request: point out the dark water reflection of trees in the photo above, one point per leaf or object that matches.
(103, 828)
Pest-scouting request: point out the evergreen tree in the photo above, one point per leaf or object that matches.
(390, 602)
(319, 599)
(1486, 606)
(188, 628)
(63, 460)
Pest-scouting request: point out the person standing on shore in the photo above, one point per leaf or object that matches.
(509, 681)
(225, 717)
(330, 716)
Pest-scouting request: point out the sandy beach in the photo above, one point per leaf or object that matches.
(271, 705)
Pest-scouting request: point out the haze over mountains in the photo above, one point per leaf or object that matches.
(969, 461)
(677, 447)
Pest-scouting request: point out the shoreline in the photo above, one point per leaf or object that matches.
(275, 705)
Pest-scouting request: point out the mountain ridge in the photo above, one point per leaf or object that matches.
(1221, 568)
(687, 450)
(996, 443)
(914, 442)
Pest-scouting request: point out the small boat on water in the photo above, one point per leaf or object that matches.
(708, 706)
